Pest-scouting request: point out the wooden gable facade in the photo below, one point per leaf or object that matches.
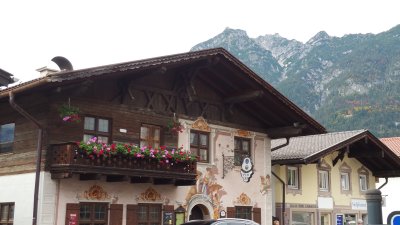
(124, 101)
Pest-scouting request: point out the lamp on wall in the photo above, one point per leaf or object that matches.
(179, 215)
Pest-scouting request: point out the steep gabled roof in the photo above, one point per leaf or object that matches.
(359, 144)
(229, 74)
(393, 143)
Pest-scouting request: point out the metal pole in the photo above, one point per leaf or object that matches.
(374, 206)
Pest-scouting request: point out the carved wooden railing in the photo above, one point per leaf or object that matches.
(64, 160)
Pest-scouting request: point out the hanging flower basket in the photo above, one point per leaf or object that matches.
(69, 113)
(174, 126)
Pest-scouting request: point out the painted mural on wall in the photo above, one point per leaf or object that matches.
(265, 184)
(151, 195)
(207, 185)
(95, 192)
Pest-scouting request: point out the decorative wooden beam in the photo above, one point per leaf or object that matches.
(188, 78)
(150, 96)
(89, 176)
(141, 180)
(243, 97)
(366, 154)
(339, 156)
(123, 89)
(283, 132)
(162, 181)
(116, 178)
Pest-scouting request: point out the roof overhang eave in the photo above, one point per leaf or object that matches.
(23, 87)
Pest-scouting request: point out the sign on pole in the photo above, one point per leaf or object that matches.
(394, 218)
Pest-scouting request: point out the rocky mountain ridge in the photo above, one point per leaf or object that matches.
(346, 83)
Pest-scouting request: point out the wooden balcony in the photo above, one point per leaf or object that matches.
(63, 161)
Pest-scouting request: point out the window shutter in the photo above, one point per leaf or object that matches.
(116, 214)
(72, 213)
(131, 214)
(230, 212)
(169, 209)
(257, 215)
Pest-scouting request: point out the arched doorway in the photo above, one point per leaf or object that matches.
(199, 212)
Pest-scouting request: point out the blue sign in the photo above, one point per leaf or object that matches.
(394, 218)
(339, 219)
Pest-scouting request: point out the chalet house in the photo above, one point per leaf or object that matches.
(390, 187)
(322, 179)
(113, 144)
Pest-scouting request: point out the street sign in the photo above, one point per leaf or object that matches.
(394, 218)
(339, 219)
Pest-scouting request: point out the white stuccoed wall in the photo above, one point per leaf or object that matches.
(392, 194)
(19, 189)
(48, 197)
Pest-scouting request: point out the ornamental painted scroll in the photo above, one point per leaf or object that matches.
(96, 192)
(150, 195)
(201, 124)
(243, 199)
(243, 133)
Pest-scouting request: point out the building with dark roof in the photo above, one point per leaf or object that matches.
(323, 178)
(129, 119)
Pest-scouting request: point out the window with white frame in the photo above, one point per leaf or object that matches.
(363, 182)
(323, 180)
(345, 181)
(293, 177)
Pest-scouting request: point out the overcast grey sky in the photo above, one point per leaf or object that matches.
(95, 32)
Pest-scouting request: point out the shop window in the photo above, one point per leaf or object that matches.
(6, 137)
(199, 145)
(150, 135)
(149, 214)
(325, 219)
(93, 213)
(97, 127)
(243, 212)
(302, 218)
(349, 219)
(242, 150)
(6, 213)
